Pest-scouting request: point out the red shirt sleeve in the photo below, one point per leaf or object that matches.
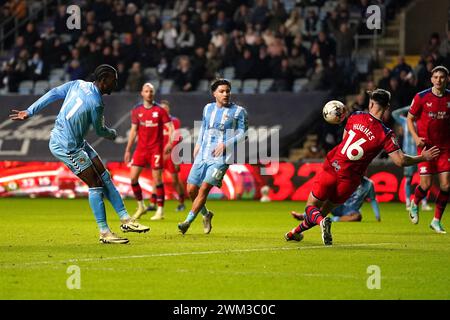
(390, 143)
(416, 106)
(134, 117)
(164, 116)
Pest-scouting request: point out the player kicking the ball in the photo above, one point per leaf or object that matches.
(83, 106)
(365, 135)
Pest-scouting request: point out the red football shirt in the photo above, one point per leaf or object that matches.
(432, 118)
(150, 126)
(366, 137)
(176, 125)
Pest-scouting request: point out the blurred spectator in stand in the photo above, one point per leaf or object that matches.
(136, 78)
(298, 63)
(203, 38)
(277, 15)
(401, 66)
(31, 36)
(222, 22)
(245, 66)
(242, 17)
(37, 68)
(260, 14)
(184, 76)
(200, 61)
(312, 26)
(383, 83)
(424, 75)
(316, 77)
(359, 105)
(75, 69)
(214, 62)
(283, 77)
(122, 75)
(168, 34)
(262, 61)
(294, 24)
(185, 40)
(432, 46)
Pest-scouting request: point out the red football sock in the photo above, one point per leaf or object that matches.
(160, 195)
(137, 191)
(419, 194)
(314, 215)
(441, 203)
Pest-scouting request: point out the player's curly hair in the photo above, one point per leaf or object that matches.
(103, 71)
(219, 82)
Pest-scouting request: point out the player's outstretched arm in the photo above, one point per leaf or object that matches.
(57, 93)
(399, 115)
(404, 160)
(19, 115)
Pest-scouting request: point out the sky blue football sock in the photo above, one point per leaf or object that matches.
(98, 207)
(191, 216)
(335, 218)
(113, 196)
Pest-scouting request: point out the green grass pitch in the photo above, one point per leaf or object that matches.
(244, 257)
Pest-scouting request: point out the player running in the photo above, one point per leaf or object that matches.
(430, 111)
(83, 106)
(351, 209)
(408, 146)
(171, 167)
(365, 135)
(147, 124)
(224, 124)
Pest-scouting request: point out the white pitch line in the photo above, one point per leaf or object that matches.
(175, 254)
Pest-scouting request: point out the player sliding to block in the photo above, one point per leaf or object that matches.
(365, 135)
(83, 106)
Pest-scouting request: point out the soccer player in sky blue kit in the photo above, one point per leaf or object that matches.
(350, 209)
(409, 146)
(224, 124)
(83, 107)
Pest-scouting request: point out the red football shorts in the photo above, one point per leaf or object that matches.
(170, 166)
(329, 186)
(438, 165)
(151, 158)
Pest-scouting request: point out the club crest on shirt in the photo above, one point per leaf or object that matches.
(429, 104)
(155, 114)
(423, 170)
(140, 115)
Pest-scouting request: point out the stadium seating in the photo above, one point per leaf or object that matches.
(151, 73)
(203, 86)
(299, 84)
(26, 87)
(41, 87)
(265, 85)
(236, 86)
(229, 73)
(166, 86)
(249, 86)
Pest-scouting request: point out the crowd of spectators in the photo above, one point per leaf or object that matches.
(187, 40)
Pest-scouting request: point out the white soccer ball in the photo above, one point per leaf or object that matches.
(334, 112)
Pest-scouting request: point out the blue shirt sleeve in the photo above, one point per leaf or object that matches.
(241, 129)
(98, 121)
(57, 93)
(202, 128)
(398, 115)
